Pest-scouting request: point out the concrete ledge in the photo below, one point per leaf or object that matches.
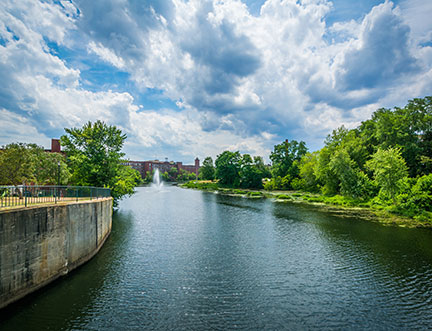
(41, 243)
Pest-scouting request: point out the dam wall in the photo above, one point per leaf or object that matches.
(40, 244)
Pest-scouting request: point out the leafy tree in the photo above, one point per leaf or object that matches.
(185, 175)
(422, 193)
(124, 181)
(166, 176)
(95, 158)
(251, 172)
(28, 163)
(308, 180)
(283, 157)
(228, 168)
(16, 164)
(353, 182)
(207, 171)
(172, 174)
(325, 174)
(389, 168)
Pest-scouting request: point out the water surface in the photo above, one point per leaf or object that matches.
(184, 259)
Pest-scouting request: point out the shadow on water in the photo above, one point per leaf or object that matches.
(69, 299)
(381, 274)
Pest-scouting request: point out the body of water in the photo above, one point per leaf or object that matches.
(184, 259)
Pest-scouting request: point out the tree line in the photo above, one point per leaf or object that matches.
(386, 161)
(172, 175)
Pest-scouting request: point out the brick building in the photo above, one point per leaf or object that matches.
(164, 166)
(143, 166)
(55, 146)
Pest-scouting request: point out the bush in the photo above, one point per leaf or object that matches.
(254, 194)
(284, 197)
(236, 191)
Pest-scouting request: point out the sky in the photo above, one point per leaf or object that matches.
(186, 79)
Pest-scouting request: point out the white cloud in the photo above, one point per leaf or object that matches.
(106, 54)
(242, 81)
(21, 129)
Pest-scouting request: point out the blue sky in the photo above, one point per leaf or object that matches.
(193, 78)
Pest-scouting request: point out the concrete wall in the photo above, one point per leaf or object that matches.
(40, 244)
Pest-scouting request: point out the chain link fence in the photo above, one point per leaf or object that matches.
(22, 195)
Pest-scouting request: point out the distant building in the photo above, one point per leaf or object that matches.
(143, 166)
(55, 146)
(164, 166)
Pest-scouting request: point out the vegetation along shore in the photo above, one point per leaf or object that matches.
(381, 169)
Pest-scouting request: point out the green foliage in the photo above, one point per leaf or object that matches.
(353, 182)
(207, 171)
(95, 159)
(308, 180)
(124, 181)
(184, 176)
(389, 169)
(284, 197)
(228, 168)
(284, 157)
(279, 183)
(324, 173)
(166, 176)
(172, 174)
(28, 163)
(251, 172)
(209, 186)
(148, 178)
(254, 194)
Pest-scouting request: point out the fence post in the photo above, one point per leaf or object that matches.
(76, 194)
(25, 196)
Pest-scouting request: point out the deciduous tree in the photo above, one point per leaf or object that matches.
(95, 158)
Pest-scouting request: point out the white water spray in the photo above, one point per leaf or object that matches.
(157, 183)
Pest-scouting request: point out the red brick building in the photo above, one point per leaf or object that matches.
(143, 166)
(55, 146)
(164, 166)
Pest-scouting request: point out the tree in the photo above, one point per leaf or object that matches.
(353, 182)
(324, 173)
(308, 180)
(95, 158)
(28, 163)
(251, 172)
(207, 171)
(172, 174)
(389, 168)
(283, 157)
(228, 167)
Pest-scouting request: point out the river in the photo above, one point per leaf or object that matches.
(184, 259)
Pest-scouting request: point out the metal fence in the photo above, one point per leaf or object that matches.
(22, 195)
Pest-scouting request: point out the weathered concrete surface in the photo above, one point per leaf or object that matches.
(40, 244)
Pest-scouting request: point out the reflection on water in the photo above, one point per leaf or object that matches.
(184, 259)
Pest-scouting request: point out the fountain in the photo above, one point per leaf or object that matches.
(157, 183)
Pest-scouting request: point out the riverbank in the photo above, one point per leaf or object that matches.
(337, 205)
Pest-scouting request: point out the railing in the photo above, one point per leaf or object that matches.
(23, 195)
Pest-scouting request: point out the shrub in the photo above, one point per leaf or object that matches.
(283, 197)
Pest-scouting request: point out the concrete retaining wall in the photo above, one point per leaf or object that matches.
(40, 244)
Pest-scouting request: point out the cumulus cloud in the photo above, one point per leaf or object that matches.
(381, 54)
(240, 81)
